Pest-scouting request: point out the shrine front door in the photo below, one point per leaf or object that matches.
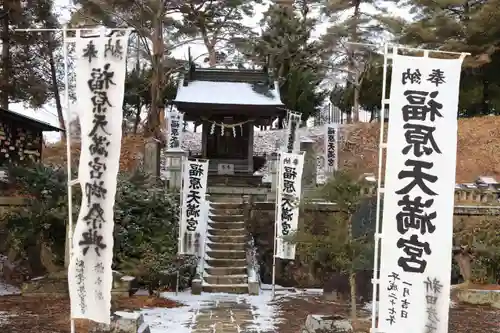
(227, 145)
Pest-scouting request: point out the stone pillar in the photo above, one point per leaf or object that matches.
(310, 163)
(152, 157)
(174, 168)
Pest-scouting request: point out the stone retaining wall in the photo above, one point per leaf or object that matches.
(299, 272)
(479, 196)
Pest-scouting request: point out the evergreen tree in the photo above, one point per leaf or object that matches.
(294, 60)
(138, 96)
(25, 56)
(218, 23)
(466, 26)
(154, 23)
(343, 39)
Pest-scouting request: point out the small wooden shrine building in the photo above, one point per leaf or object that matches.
(21, 138)
(229, 103)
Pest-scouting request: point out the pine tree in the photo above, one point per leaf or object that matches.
(466, 26)
(218, 23)
(25, 59)
(294, 60)
(343, 39)
(154, 23)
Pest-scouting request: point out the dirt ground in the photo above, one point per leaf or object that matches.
(463, 318)
(51, 314)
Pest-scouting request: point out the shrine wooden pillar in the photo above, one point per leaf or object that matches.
(205, 128)
(250, 146)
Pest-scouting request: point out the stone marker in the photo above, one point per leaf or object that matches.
(310, 163)
(196, 287)
(122, 284)
(123, 322)
(330, 324)
(152, 157)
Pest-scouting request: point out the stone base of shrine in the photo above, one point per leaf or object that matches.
(123, 322)
(53, 284)
(479, 297)
(322, 323)
(196, 287)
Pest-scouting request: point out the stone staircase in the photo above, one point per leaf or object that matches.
(225, 268)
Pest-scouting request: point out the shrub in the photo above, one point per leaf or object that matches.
(146, 221)
(42, 222)
(337, 247)
(484, 241)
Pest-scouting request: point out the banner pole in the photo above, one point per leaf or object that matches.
(383, 107)
(276, 214)
(180, 237)
(68, 159)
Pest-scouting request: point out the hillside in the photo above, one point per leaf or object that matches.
(478, 147)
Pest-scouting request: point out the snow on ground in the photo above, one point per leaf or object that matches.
(7, 289)
(265, 311)
(4, 317)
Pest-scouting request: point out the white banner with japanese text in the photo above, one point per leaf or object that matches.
(193, 218)
(417, 223)
(292, 140)
(331, 150)
(100, 81)
(288, 196)
(175, 124)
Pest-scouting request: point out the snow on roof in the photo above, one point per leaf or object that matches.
(213, 92)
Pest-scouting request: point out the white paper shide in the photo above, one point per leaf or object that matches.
(100, 78)
(417, 224)
(287, 202)
(194, 191)
(331, 138)
(175, 123)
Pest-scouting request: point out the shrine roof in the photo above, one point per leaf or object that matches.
(228, 87)
(29, 121)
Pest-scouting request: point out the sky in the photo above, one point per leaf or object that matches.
(48, 112)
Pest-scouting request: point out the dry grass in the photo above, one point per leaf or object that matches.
(131, 152)
(463, 319)
(478, 149)
(51, 314)
(478, 152)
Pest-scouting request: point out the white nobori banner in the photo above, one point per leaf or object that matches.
(331, 148)
(175, 124)
(288, 196)
(100, 81)
(193, 218)
(292, 140)
(417, 224)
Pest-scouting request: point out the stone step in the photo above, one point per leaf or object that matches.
(226, 232)
(226, 205)
(223, 211)
(225, 199)
(221, 263)
(226, 218)
(226, 225)
(226, 246)
(227, 239)
(227, 289)
(226, 279)
(226, 270)
(227, 254)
